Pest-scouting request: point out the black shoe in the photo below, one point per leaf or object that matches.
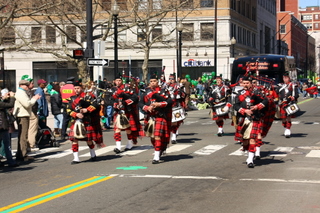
(117, 151)
(220, 134)
(75, 162)
(250, 165)
(93, 158)
(287, 136)
(257, 158)
(173, 141)
(155, 162)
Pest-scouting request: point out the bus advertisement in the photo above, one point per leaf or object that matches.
(270, 67)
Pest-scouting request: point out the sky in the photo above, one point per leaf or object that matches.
(305, 3)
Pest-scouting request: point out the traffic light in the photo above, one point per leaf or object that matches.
(78, 54)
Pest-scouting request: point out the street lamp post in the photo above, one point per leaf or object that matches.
(89, 50)
(215, 35)
(179, 62)
(115, 13)
(233, 42)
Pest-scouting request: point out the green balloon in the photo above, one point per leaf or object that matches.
(204, 74)
(187, 76)
(213, 74)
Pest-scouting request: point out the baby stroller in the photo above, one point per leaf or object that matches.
(45, 138)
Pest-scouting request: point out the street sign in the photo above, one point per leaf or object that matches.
(97, 62)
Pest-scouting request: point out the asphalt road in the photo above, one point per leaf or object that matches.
(202, 173)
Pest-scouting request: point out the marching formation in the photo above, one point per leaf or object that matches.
(252, 103)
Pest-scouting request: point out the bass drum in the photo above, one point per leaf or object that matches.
(220, 109)
(178, 114)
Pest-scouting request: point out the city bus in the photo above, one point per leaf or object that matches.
(270, 67)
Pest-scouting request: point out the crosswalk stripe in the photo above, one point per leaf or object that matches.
(101, 151)
(64, 153)
(313, 154)
(239, 152)
(42, 151)
(280, 151)
(207, 150)
(176, 148)
(137, 150)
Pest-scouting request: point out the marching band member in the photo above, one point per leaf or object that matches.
(157, 104)
(125, 113)
(219, 100)
(84, 110)
(248, 105)
(177, 97)
(288, 94)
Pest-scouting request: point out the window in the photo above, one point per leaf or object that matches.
(141, 33)
(186, 4)
(233, 4)
(157, 33)
(316, 26)
(50, 35)
(143, 5)
(9, 36)
(239, 37)
(156, 4)
(253, 40)
(207, 31)
(36, 35)
(283, 29)
(71, 34)
(306, 17)
(316, 16)
(83, 33)
(254, 14)
(206, 3)
(308, 26)
(188, 32)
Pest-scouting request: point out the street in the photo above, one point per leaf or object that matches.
(201, 173)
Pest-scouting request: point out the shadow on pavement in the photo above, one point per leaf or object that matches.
(168, 158)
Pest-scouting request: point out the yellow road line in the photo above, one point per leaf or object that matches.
(45, 197)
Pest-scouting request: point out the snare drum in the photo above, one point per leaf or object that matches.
(219, 109)
(291, 109)
(178, 114)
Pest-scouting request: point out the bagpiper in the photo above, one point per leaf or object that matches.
(248, 105)
(219, 98)
(157, 105)
(288, 96)
(125, 113)
(84, 109)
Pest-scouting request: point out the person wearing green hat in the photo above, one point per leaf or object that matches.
(33, 119)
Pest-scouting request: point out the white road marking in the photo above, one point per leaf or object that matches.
(42, 151)
(208, 150)
(176, 148)
(64, 153)
(313, 154)
(173, 177)
(295, 122)
(281, 151)
(101, 151)
(239, 152)
(137, 150)
(282, 180)
(309, 147)
(190, 122)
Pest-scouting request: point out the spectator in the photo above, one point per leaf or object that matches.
(186, 84)
(304, 87)
(22, 111)
(66, 92)
(43, 110)
(6, 120)
(108, 106)
(33, 120)
(56, 109)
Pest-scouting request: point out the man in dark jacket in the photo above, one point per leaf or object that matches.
(7, 102)
(108, 106)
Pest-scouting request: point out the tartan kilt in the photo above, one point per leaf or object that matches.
(94, 133)
(161, 128)
(283, 113)
(268, 119)
(256, 129)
